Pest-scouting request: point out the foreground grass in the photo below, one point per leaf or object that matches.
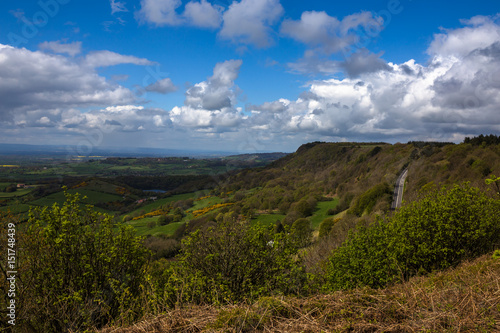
(466, 298)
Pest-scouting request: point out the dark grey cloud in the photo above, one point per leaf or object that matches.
(273, 107)
(363, 62)
(112, 122)
(407, 70)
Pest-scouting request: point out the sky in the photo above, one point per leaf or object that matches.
(247, 75)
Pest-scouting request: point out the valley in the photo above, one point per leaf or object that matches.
(279, 228)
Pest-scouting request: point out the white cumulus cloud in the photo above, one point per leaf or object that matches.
(250, 21)
(203, 14)
(457, 93)
(35, 80)
(211, 104)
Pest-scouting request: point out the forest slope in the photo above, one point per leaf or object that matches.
(349, 171)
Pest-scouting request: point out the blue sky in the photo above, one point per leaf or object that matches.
(247, 75)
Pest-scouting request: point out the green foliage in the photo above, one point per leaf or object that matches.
(11, 188)
(438, 231)
(234, 260)
(326, 226)
(444, 228)
(343, 204)
(83, 270)
(482, 167)
(301, 232)
(375, 151)
(362, 260)
(304, 207)
(162, 247)
(496, 254)
(164, 220)
(483, 139)
(494, 180)
(367, 200)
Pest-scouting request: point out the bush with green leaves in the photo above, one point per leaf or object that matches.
(438, 231)
(326, 226)
(444, 228)
(234, 260)
(301, 232)
(11, 188)
(343, 204)
(82, 270)
(165, 219)
(367, 200)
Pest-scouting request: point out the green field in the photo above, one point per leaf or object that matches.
(16, 209)
(17, 193)
(142, 224)
(33, 170)
(143, 229)
(156, 204)
(321, 212)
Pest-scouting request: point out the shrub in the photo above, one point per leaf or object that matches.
(291, 217)
(305, 207)
(162, 247)
(496, 255)
(343, 204)
(439, 231)
(444, 228)
(82, 269)
(326, 226)
(165, 219)
(233, 261)
(301, 232)
(362, 260)
(367, 200)
(11, 188)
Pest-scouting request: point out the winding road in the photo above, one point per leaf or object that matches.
(398, 190)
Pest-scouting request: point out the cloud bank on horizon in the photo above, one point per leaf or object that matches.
(61, 90)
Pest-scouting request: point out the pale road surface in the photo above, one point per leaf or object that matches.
(398, 190)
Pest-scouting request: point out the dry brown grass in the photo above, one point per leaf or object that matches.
(464, 299)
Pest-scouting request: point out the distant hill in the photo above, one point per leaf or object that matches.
(347, 171)
(26, 149)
